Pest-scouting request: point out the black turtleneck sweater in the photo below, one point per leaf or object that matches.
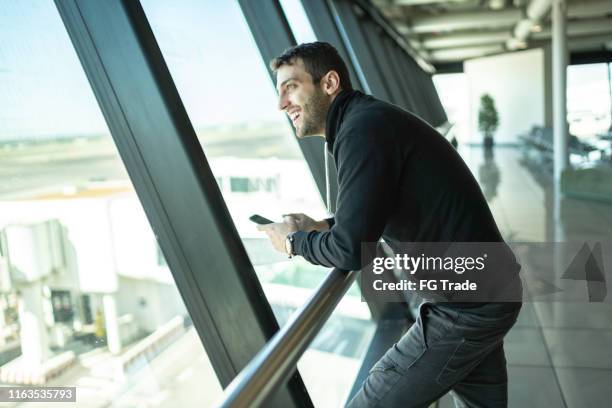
(398, 178)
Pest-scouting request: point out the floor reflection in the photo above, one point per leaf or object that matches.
(558, 353)
(488, 175)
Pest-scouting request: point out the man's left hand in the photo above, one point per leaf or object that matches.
(277, 232)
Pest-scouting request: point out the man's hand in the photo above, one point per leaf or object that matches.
(277, 232)
(305, 223)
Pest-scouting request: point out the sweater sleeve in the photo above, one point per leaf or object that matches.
(369, 167)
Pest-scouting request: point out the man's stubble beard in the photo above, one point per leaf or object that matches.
(315, 114)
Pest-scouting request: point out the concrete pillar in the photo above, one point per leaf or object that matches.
(609, 64)
(111, 324)
(33, 334)
(559, 66)
(560, 131)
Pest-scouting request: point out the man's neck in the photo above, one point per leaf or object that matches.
(333, 98)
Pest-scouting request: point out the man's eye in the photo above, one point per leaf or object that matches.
(291, 86)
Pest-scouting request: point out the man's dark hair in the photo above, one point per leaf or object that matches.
(319, 58)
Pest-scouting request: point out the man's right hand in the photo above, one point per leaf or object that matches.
(305, 223)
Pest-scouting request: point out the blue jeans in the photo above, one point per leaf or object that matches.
(459, 349)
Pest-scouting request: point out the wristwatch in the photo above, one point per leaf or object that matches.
(289, 245)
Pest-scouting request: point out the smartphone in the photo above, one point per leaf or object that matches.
(258, 219)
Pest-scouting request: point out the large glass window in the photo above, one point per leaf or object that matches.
(454, 96)
(296, 16)
(588, 99)
(231, 102)
(86, 297)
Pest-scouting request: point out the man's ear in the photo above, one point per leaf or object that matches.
(331, 82)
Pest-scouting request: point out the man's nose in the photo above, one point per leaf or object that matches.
(282, 102)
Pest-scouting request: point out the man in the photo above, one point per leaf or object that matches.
(400, 180)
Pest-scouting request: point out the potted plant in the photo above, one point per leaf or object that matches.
(488, 119)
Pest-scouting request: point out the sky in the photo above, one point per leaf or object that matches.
(43, 90)
(300, 26)
(209, 50)
(207, 45)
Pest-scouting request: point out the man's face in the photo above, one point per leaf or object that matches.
(304, 102)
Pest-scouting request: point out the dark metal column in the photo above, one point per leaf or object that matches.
(345, 13)
(375, 37)
(402, 78)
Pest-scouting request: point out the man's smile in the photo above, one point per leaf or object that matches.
(295, 115)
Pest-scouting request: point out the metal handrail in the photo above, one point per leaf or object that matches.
(271, 366)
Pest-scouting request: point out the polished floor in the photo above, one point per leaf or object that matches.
(559, 353)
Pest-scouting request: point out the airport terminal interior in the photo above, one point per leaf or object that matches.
(138, 136)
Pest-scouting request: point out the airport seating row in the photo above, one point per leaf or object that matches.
(541, 139)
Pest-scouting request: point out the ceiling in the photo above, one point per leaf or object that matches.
(451, 31)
